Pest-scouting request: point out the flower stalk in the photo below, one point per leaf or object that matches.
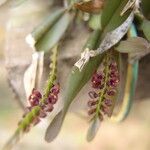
(31, 118)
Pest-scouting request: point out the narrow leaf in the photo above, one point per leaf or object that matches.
(146, 29)
(44, 27)
(93, 129)
(115, 36)
(54, 34)
(145, 7)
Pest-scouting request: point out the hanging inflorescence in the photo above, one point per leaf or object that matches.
(104, 84)
(45, 106)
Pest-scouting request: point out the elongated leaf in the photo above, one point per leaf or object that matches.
(115, 36)
(75, 83)
(146, 28)
(93, 129)
(44, 27)
(145, 6)
(111, 18)
(54, 34)
(137, 47)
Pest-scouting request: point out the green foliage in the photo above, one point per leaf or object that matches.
(146, 28)
(54, 34)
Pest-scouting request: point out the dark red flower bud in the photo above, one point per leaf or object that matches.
(36, 93)
(42, 114)
(113, 66)
(55, 89)
(52, 98)
(105, 110)
(93, 94)
(108, 102)
(111, 92)
(91, 111)
(49, 108)
(112, 83)
(96, 85)
(34, 101)
(92, 103)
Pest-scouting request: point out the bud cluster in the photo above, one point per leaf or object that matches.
(46, 106)
(104, 84)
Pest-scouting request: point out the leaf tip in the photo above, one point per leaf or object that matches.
(93, 130)
(54, 128)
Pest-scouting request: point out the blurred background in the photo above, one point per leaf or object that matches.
(132, 134)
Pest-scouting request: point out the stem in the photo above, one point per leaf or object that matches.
(132, 75)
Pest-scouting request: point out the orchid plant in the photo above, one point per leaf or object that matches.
(117, 28)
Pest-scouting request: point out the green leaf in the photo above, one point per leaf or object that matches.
(93, 129)
(44, 27)
(145, 6)
(111, 18)
(54, 34)
(146, 28)
(75, 83)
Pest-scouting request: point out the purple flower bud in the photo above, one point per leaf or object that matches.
(55, 89)
(93, 94)
(91, 111)
(36, 93)
(92, 103)
(108, 102)
(105, 110)
(52, 98)
(113, 66)
(34, 101)
(97, 77)
(100, 116)
(111, 92)
(42, 114)
(49, 108)
(96, 85)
